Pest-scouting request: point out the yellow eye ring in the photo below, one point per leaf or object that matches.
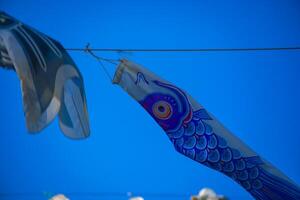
(162, 110)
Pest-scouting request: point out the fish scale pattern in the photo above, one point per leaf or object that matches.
(198, 141)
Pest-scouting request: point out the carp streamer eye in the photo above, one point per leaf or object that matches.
(4, 20)
(162, 110)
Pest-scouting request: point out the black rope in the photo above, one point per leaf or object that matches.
(189, 50)
(91, 51)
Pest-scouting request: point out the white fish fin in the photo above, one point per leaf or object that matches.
(73, 112)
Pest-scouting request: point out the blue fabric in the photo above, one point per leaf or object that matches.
(50, 81)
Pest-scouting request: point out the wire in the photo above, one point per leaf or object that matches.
(188, 50)
(105, 70)
(88, 50)
(91, 51)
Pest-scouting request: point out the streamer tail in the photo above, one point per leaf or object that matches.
(275, 187)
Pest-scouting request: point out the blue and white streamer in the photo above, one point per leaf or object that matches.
(50, 81)
(198, 135)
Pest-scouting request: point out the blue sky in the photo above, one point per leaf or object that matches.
(254, 94)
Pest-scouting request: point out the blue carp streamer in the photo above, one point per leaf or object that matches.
(50, 82)
(198, 135)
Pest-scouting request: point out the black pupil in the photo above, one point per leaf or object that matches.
(161, 108)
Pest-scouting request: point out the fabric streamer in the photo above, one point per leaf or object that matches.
(198, 135)
(50, 81)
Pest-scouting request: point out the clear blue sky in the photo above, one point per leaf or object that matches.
(255, 94)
